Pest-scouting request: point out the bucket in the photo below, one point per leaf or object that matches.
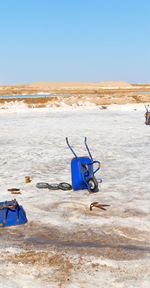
(27, 179)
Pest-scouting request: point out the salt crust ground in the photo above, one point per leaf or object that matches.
(64, 244)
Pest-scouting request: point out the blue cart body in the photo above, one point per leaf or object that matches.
(79, 173)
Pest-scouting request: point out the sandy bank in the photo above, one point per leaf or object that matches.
(103, 93)
(59, 101)
(74, 88)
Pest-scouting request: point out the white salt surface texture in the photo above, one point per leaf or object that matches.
(99, 248)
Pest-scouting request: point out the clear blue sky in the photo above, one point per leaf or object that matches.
(74, 40)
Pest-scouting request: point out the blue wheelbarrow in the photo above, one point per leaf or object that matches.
(11, 213)
(82, 172)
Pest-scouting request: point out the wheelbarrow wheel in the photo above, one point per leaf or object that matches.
(92, 182)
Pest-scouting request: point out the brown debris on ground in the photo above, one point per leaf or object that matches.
(121, 244)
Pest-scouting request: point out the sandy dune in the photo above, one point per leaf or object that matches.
(79, 85)
(73, 87)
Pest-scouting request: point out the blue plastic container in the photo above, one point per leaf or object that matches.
(11, 213)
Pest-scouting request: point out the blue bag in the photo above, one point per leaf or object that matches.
(11, 213)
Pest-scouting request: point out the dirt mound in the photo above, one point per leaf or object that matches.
(62, 84)
(118, 84)
(81, 85)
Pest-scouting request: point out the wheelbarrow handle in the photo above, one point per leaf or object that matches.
(85, 141)
(70, 147)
